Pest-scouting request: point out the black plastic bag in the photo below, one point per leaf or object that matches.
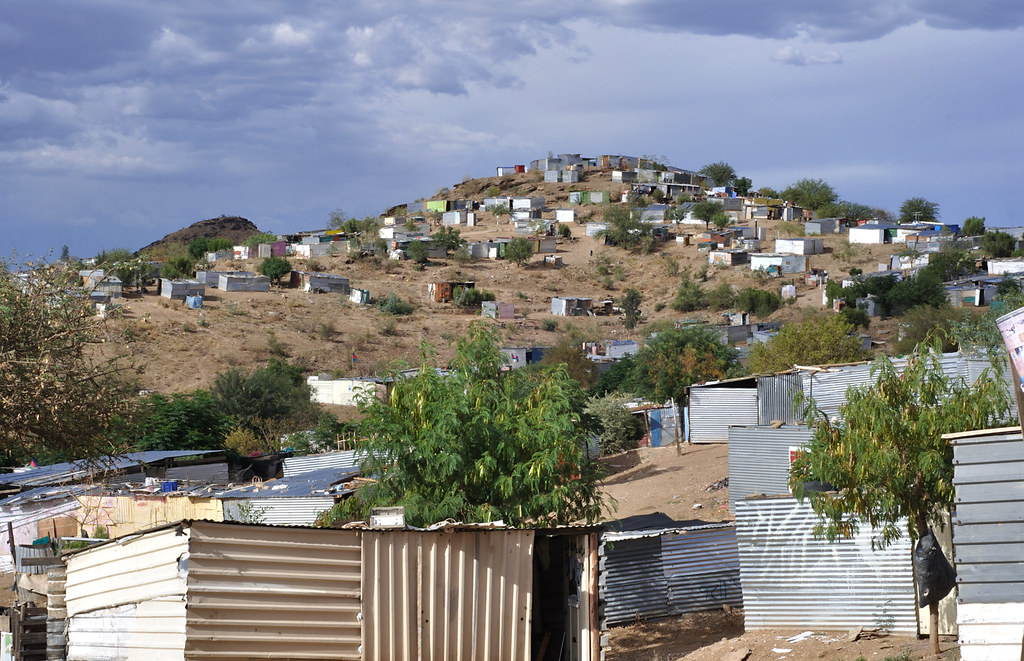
(935, 576)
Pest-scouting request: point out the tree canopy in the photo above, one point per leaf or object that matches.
(706, 211)
(626, 230)
(820, 341)
(810, 193)
(677, 358)
(275, 268)
(720, 173)
(59, 393)
(973, 226)
(519, 250)
(997, 244)
(918, 209)
(479, 444)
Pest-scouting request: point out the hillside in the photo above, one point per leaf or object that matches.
(323, 331)
(233, 228)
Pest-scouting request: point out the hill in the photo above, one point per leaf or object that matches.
(234, 228)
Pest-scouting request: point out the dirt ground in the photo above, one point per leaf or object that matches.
(684, 484)
(719, 636)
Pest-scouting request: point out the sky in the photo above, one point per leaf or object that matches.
(122, 121)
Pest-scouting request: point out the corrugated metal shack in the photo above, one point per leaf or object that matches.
(345, 459)
(714, 406)
(179, 289)
(759, 459)
(650, 574)
(319, 283)
(988, 542)
(792, 580)
(199, 590)
(296, 500)
(243, 282)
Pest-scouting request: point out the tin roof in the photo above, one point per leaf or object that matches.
(75, 470)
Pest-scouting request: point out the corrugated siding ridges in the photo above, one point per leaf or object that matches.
(988, 542)
(273, 593)
(792, 580)
(759, 460)
(713, 409)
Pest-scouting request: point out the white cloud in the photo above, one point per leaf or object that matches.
(170, 46)
(792, 55)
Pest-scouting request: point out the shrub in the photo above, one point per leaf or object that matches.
(564, 231)
(721, 297)
(393, 305)
(689, 297)
(275, 268)
(418, 252)
(472, 297)
(758, 301)
(856, 317)
(549, 325)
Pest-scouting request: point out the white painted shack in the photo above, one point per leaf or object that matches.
(779, 263)
(565, 215)
(526, 203)
(800, 246)
(1005, 266)
(234, 592)
(179, 289)
(342, 392)
(871, 233)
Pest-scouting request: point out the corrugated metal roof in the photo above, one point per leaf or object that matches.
(759, 460)
(792, 580)
(988, 541)
(75, 470)
(295, 511)
(311, 483)
(345, 459)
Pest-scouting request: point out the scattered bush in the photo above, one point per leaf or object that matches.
(721, 297)
(689, 297)
(275, 268)
(549, 325)
(759, 302)
(472, 297)
(394, 306)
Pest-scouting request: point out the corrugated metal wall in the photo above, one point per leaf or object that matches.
(647, 576)
(277, 511)
(988, 542)
(267, 593)
(125, 599)
(299, 465)
(713, 409)
(792, 580)
(447, 596)
(759, 460)
(775, 398)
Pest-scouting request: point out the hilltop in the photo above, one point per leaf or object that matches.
(233, 228)
(184, 349)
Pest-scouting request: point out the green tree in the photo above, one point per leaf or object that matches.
(418, 252)
(631, 308)
(810, 193)
(276, 392)
(759, 302)
(677, 358)
(625, 229)
(256, 239)
(197, 247)
(570, 355)
(927, 323)
(180, 422)
(742, 185)
(768, 192)
(448, 238)
(720, 220)
(845, 210)
(997, 244)
(62, 370)
(719, 172)
(336, 219)
(519, 250)
(275, 268)
(690, 296)
(471, 297)
(973, 226)
(885, 456)
(706, 211)
(820, 341)
(479, 444)
(178, 267)
(395, 306)
(65, 253)
(918, 210)
(721, 297)
(619, 430)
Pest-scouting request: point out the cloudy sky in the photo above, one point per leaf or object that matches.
(121, 121)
